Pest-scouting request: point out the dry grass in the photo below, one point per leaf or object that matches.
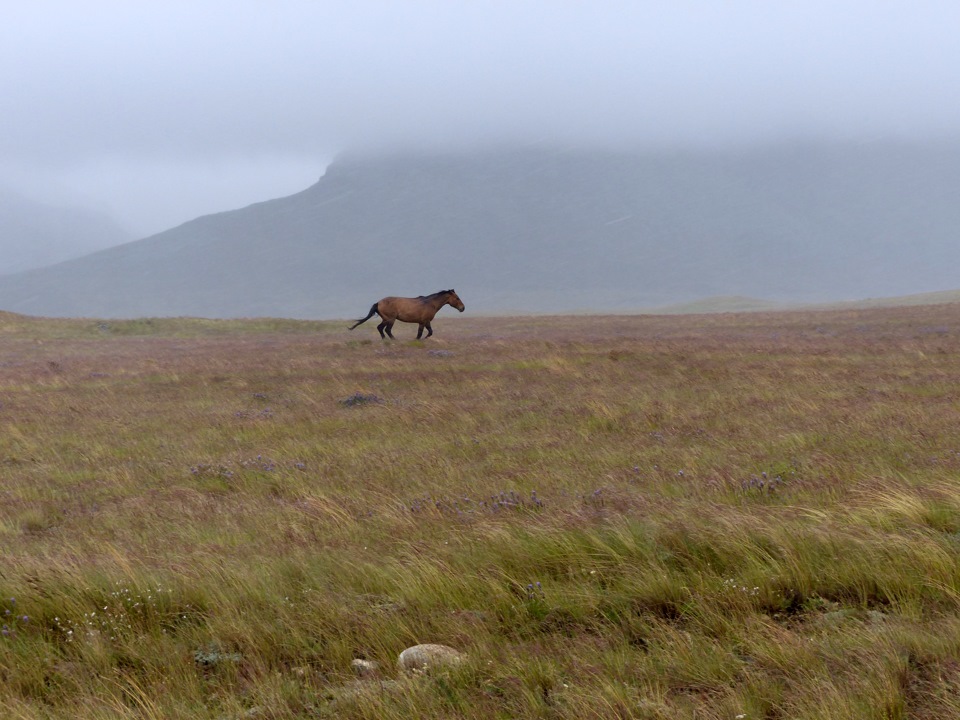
(708, 516)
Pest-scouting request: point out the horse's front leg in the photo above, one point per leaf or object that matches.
(420, 331)
(429, 329)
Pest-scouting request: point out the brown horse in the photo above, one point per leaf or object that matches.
(412, 310)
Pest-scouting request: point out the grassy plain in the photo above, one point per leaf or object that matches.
(726, 516)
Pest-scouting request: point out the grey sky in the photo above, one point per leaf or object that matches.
(158, 112)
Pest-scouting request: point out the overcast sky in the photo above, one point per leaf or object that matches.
(161, 111)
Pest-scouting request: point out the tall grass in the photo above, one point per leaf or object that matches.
(712, 517)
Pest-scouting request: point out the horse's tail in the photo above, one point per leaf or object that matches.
(373, 311)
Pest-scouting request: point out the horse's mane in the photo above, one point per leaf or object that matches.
(434, 295)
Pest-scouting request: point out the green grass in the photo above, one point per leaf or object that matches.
(707, 517)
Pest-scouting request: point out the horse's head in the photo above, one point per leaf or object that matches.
(453, 300)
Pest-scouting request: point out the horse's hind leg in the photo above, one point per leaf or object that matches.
(380, 327)
(389, 330)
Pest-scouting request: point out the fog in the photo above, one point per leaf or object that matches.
(159, 112)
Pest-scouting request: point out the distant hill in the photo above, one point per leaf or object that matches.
(34, 234)
(745, 304)
(944, 297)
(544, 231)
(726, 304)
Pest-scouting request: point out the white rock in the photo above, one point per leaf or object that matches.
(428, 657)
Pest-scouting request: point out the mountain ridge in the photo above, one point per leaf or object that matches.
(35, 234)
(543, 230)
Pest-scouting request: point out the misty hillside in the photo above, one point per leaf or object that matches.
(34, 234)
(544, 231)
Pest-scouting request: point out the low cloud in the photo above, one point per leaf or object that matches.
(213, 101)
